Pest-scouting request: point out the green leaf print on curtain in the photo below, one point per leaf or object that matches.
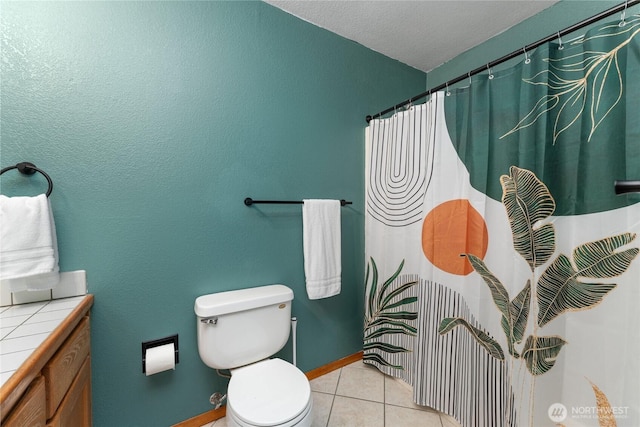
(570, 116)
(563, 285)
(385, 315)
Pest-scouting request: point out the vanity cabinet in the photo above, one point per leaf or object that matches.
(53, 387)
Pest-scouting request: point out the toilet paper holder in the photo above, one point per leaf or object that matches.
(173, 339)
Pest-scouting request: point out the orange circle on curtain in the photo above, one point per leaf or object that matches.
(450, 229)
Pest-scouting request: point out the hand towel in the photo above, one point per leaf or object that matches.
(28, 244)
(322, 247)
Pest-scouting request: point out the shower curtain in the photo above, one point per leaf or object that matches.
(502, 279)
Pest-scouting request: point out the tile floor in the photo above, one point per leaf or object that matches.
(360, 395)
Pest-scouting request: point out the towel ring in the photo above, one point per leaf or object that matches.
(28, 168)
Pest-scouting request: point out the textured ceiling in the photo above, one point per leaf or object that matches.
(421, 33)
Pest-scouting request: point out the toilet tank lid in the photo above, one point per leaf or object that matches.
(241, 299)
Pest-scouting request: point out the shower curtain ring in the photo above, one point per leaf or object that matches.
(490, 73)
(447, 89)
(561, 46)
(624, 14)
(527, 60)
(469, 75)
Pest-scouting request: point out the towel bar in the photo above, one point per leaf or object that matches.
(623, 187)
(249, 201)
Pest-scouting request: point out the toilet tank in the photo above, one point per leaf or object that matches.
(236, 328)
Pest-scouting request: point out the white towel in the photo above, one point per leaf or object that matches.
(322, 247)
(28, 244)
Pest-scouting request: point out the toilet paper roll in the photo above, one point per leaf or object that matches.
(160, 358)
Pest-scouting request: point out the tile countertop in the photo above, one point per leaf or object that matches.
(24, 327)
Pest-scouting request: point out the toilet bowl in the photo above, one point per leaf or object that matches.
(241, 330)
(269, 393)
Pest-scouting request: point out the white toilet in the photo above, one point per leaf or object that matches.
(240, 330)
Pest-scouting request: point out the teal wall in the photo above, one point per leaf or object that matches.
(155, 120)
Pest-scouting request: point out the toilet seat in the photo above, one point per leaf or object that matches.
(269, 393)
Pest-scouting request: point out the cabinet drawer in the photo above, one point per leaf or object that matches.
(30, 410)
(62, 368)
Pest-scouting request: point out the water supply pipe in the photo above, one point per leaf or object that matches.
(294, 321)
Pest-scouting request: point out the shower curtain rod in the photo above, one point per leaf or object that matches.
(515, 53)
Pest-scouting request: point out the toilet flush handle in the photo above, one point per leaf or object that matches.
(210, 320)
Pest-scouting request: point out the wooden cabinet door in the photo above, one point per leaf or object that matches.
(75, 408)
(65, 365)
